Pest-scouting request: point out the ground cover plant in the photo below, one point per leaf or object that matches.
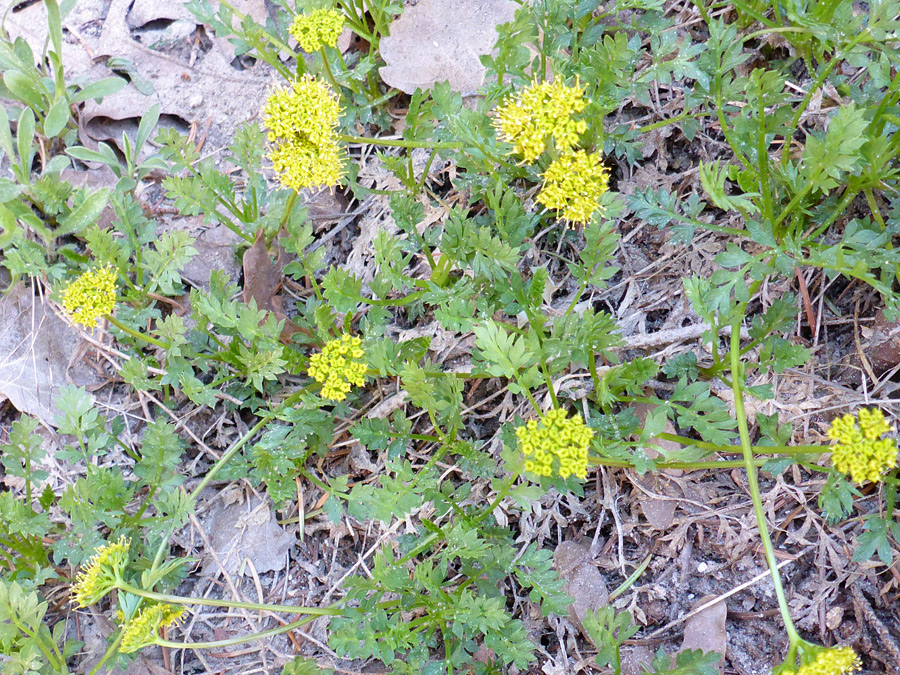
(439, 437)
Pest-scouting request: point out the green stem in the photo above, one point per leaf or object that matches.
(501, 495)
(240, 639)
(288, 209)
(384, 98)
(399, 142)
(224, 459)
(702, 9)
(792, 204)
(111, 650)
(757, 449)
(214, 469)
(768, 31)
(392, 302)
(685, 466)
(210, 602)
(671, 120)
(826, 71)
(51, 652)
(328, 73)
(271, 38)
(133, 333)
(850, 193)
(762, 158)
(737, 386)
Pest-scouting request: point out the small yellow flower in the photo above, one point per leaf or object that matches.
(302, 121)
(102, 573)
(143, 630)
(90, 296)
(859, 450)
(555, 443)
(573, 184)
(320, 28)
(301, 165)
(836, 661)
(541, 110)
(340, 365)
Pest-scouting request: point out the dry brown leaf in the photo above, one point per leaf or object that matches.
(660, 513)
(881, 342)
(38, 355)
(245, 531)
(28, 20)
(706, 629)
(143, 12)
(583, 580)
(636, 660)
(210, 92)
(436, 41)
(215, 251)
(262, 277)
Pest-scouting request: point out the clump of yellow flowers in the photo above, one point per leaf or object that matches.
(859, 450)
(302, 120)
(102, 573)
(575, 179)
(572, 185)
(320, 28)
(90, 296)
(816, 660)
(541, 110)
(143, 630)
(555, 443)
(340, 365)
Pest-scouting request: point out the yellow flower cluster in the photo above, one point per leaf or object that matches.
(555, 443)
(541, 110)
(143, 630)
(101, 574)
(572, 184)
(320, 28)
(90, 296)
(339, 365)
(302, 121)
(574, 180)
(836, 661)
(859, 450)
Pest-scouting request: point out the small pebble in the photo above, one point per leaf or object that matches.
(702, 567)
(195, 101)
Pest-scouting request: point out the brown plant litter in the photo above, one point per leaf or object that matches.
(706, 584)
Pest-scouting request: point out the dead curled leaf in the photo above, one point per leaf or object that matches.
(706, 629)
(659, 510)
(262, 278)
(208, 90)
(437, 41)
(583, 580)
(245, 531)
(38, 354)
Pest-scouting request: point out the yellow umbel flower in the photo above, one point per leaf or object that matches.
(301, 165)
(573, 184)
(302, 120)
(320, 28)
(555, 443)
(859, 450)
(102, 573)
(541, 110)
(143, 630)
(90, 296)
(836, 661)
(340, 365)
